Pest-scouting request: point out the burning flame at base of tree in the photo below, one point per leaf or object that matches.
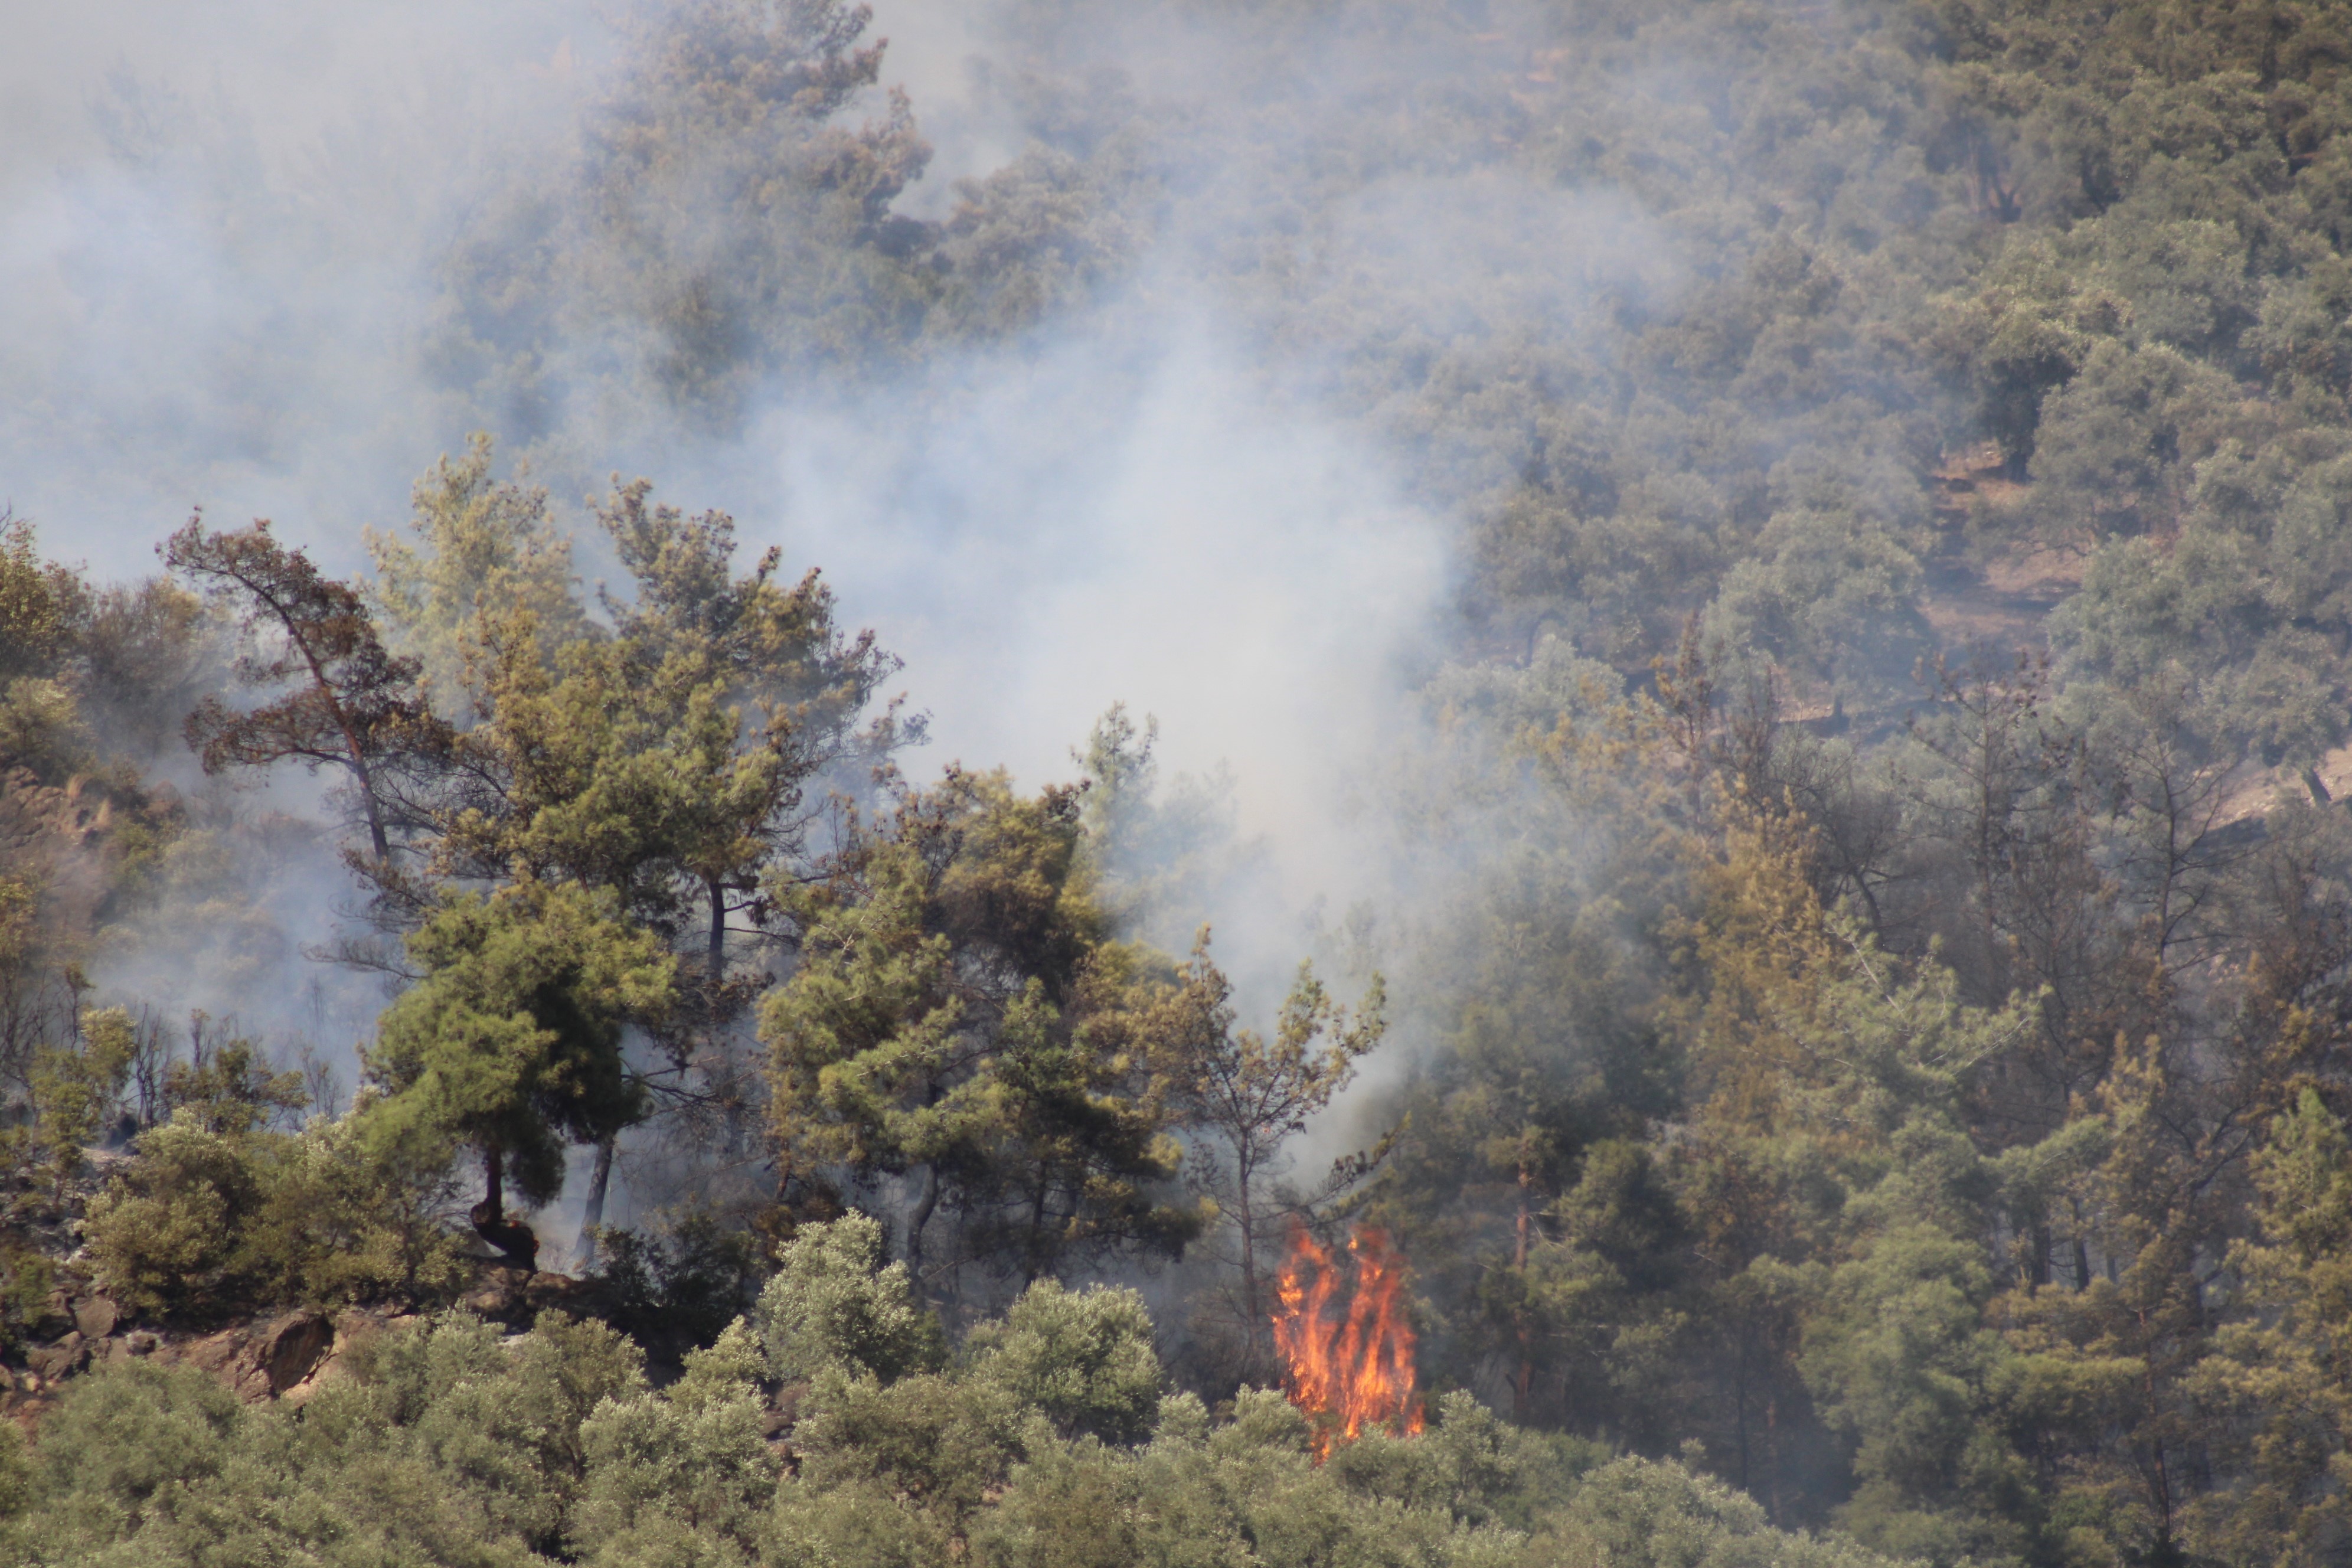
(1346, 1353)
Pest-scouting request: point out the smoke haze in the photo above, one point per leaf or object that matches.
(219, 248)
(223, 259)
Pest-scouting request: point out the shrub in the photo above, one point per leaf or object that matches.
(1083, 1358)
(833, 1307)
(25, 1280)
(75, 1090)
(690, 1282)
(205, 1221)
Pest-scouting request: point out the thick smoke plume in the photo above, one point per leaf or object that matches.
(227, 266)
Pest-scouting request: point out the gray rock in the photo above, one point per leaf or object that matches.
(215, 1353)
(54, 1361)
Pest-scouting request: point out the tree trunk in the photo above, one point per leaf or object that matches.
(358, 751)
(494, 1197)
(919, 1217)
(1739, 1408)
(490, 1223)
(1257, 1328)
(1029, 1269)
(718, 932)
(377, 838)
(1525, 1381)
(593, 1216)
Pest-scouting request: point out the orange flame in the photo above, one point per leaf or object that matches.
(1346, 1367)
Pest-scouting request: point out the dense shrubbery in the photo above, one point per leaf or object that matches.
(207, 1223)
(1047, 1439)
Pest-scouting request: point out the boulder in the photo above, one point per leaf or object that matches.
(289, 1349)
(51, 1363)
(95, 1316)
(214, 1352)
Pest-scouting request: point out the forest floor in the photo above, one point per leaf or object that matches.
(1992, 599)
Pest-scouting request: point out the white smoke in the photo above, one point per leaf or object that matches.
(222, 239)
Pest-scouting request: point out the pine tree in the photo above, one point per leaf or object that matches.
(510, 1042)
(1251, 1094)
(354, 705)
(961, 1020)
(2282, 1377)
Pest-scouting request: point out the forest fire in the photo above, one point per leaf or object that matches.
(1347, 1355)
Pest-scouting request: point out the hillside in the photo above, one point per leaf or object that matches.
(1363, 782)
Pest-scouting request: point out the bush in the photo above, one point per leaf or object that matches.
(1639, 1513)
(451, 1442)
(1083, 1358)
(25, 1280)
(124, 1453)
(689, 1282)
(75, 1090)
(205, 1222)
(833, 1307)
(41, 729)
(661, 1469)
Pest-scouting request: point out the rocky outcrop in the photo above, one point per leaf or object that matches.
(288, 1355)
(267, 1359)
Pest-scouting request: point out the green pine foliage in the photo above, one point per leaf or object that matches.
(204, 1224)
(510, 1042)
(961, 1017)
